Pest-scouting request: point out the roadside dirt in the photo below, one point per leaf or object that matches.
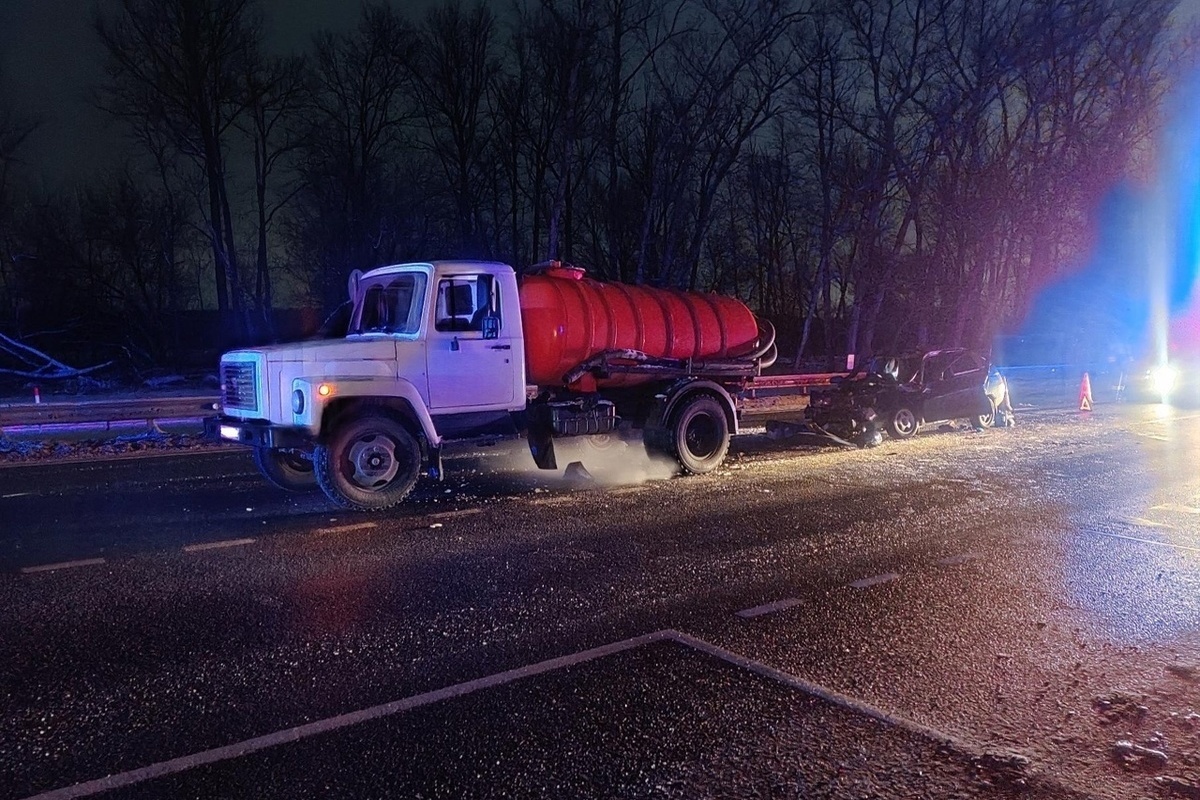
(24, 451)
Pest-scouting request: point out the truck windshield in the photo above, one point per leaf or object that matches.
(392, 304)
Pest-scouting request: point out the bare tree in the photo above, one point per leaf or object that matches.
(175, 68)
(277, 90)
(14, 132)
(453, 71)
(554, 71)
(720, 84)
(823, 93)
(632, 33)
(361, 120)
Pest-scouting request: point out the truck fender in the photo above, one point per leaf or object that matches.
(367, 388)
(671, 395)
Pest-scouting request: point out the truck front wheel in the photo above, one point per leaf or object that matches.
(369, 463)
(700, 434)
(285, 469)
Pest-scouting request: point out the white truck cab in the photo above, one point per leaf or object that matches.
(432, 348)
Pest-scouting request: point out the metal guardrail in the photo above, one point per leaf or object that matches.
(26, 416)
(130, 409)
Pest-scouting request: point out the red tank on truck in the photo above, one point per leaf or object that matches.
(459, 351)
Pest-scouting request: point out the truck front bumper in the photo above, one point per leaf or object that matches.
(257, 433)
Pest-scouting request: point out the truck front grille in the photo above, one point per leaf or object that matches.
(238, 383)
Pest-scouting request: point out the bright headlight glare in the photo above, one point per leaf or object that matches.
(298, 401)
(1163, 379)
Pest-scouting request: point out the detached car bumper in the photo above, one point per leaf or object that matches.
(256, 433)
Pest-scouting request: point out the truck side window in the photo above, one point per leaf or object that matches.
(464, 302)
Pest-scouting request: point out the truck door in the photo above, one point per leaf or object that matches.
(470, 351)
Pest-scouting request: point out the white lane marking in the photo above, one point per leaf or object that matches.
(758, 611)
(358, 526)
(85, 562)
(1155, 437)
(289, 735)
(962, 558)
(466, 512)
(1142, 522)
(18, 494)
(195, 548)
(299, 732)
(828, 695)
(1145, 541)
(1178, 508)
(863, 583)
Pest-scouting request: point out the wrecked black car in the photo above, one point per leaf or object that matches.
(899, 394)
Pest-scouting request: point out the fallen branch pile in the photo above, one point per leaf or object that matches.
(37, 365)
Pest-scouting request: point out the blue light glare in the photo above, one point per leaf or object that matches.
(1133, 296)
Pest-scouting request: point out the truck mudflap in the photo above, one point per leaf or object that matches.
(578, 417)
(256, 433)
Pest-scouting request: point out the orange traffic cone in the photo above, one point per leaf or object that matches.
(1085, 393)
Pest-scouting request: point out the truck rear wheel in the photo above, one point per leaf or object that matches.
(699, 434)
(369, 463)
(285, 469)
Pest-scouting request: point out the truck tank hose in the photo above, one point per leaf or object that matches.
(766, 340)
(769, 359)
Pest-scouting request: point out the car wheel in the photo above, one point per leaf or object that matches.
(902, 423)
(368, 464)
(700, 435)
(289, 470)
(985, 420)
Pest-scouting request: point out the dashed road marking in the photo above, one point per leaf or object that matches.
(1177, 508)
(466, 512)
(84, 562)
(357, 526)
(863, 583)
(195, 548)
(291, 735)
(962, 558)
(1142, 522)
(17, 494)
(768, 608)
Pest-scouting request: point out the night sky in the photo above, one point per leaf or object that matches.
(49, 55)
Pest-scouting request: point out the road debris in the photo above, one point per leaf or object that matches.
(1189, 672)
(1178, 787)
(1119, 707)
(1135, 757)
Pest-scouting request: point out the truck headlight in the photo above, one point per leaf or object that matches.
(298, 401)
(1163, 379)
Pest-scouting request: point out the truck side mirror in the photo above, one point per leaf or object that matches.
(490, 326)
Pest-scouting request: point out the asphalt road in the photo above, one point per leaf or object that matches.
(1012, 613)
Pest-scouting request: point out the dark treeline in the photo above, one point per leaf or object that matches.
(868, 174)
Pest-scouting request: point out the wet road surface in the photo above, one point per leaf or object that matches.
(1012, 613)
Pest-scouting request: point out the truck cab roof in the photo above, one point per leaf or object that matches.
(442, 266)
